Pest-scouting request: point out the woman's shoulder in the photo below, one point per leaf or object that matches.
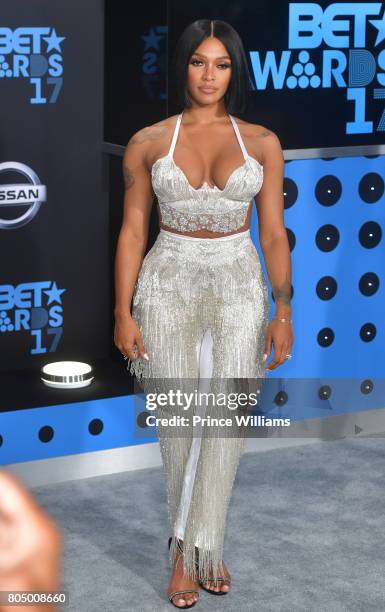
(260, 139)
(154, 131)
(253, 129)
(147, 142)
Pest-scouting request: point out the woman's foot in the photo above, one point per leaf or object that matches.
(180, 582)
(219, 585)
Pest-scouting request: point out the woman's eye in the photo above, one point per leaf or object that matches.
(196, 61)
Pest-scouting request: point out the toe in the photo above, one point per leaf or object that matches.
(180, 601)
(210, 584)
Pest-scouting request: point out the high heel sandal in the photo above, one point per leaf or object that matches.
(172, 595)
(219, 579)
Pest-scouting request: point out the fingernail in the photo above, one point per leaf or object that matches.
(264, 357)
(146, 356)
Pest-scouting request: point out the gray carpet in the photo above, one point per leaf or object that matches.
(306, 532)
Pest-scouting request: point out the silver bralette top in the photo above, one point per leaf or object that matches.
(186, 208)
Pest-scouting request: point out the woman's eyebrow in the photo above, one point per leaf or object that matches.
(220, 57)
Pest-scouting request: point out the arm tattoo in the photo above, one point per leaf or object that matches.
(129, 179)
(147, 133)
(283, 292)
(265, 133)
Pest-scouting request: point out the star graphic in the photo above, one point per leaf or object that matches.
(54, 294)
(54, 41)
(151, 40)
(380, 25)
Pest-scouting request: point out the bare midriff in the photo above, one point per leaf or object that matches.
(206, 233)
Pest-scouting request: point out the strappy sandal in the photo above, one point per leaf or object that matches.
(219, 579)
(172, 595)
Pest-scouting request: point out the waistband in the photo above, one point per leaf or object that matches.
(235, 236)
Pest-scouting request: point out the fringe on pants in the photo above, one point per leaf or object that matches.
(201, 305)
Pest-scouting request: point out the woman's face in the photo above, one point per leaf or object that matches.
(209, 71)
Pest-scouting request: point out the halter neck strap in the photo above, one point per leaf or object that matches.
(234, 124)
(175, 135)
(239, 137)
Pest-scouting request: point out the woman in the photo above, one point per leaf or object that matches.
(200, 300)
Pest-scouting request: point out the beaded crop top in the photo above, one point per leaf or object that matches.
(186, 208)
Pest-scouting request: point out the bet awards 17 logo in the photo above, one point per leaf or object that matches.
(34, 54)
(35, 307)
(338, 36)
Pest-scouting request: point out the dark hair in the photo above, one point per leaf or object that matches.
(236, 96)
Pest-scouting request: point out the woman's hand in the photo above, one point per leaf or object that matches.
(126, 334)
(280, 334)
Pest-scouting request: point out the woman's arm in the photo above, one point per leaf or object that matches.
(272, 232)
(133, 236)
(276, 250)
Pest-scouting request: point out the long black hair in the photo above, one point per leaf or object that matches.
(236, 96)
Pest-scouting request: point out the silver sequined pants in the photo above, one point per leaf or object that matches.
(201, 305)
